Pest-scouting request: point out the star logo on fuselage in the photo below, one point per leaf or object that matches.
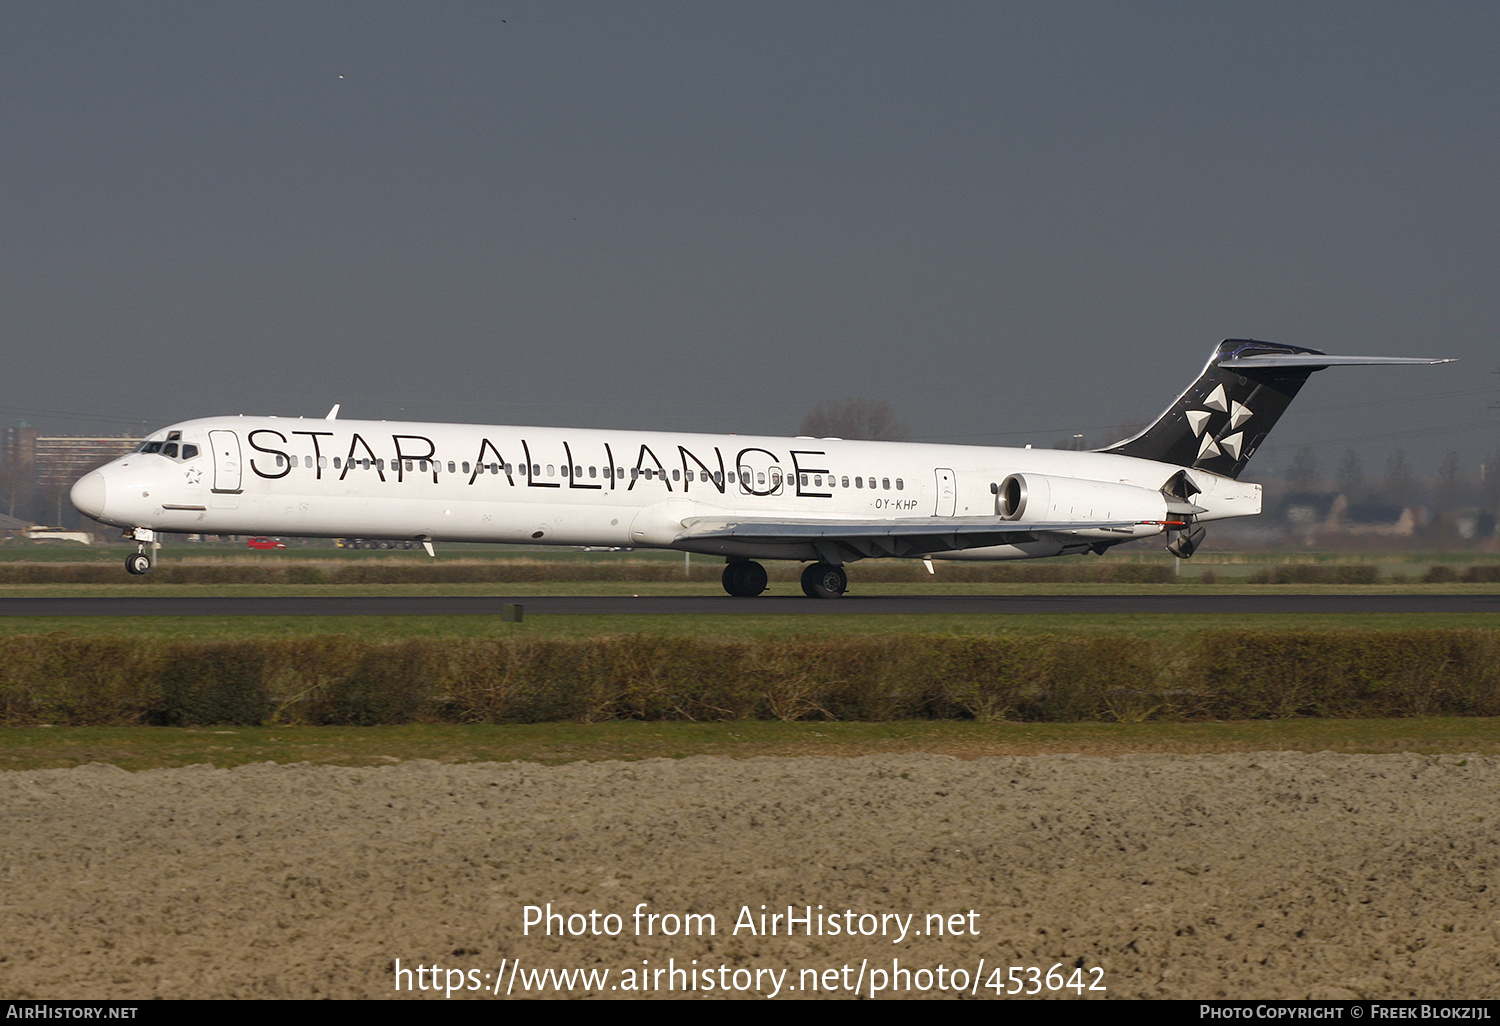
(193, 475)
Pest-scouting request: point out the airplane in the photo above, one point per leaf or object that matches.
(827, 502)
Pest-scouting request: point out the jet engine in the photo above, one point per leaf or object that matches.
(1040, 497)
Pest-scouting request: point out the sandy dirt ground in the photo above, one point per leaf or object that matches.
(1262, 875)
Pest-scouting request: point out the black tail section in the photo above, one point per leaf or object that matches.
(1222, 418)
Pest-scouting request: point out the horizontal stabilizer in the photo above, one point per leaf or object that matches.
(1314, 362)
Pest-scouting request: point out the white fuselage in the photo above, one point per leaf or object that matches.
(563, 486)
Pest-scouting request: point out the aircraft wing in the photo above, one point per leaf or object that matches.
(906, 536)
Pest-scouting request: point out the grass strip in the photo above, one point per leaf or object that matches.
(728, 627)
(144, 748)
(288, 571)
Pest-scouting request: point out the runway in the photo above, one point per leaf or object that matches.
(720, 605)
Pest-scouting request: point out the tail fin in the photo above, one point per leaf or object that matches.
(1219, 422)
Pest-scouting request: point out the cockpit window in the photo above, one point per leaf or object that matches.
(170, 449)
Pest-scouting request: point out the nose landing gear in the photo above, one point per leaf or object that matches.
(141, 561)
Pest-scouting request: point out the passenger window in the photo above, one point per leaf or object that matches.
(322, 462)
(451, 468)
(676, 475)
(577, 471)
(307, 462)
(899, 484)
(885, 483)
(688, 474)
(335, 462)
(593, 472)
(760, 478)
(846, 483)
(550, 471)
(279, 461)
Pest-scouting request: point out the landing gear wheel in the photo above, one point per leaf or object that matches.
(744, 579)
(824, 580)
(138, 563)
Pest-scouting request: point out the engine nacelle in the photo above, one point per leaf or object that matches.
(1040, 498)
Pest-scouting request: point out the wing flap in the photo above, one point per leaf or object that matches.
(907, 536)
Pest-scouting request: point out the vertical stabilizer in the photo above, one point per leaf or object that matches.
(1219, 422)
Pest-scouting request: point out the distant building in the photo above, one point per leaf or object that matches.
(63, 459)
(36, 471)
(1314, 514)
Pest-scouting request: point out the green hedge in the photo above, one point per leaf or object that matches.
(60, 679)
(1314, 573)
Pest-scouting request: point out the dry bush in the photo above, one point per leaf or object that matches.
(339, 680)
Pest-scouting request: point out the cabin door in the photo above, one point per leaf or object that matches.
(226, 447)
(947, 493)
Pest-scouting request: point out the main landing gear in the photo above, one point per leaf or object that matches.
(744, 579)
(824, 580)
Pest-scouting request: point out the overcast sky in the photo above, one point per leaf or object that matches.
(1012, 221)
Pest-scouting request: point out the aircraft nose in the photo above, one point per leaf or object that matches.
(88, 494)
